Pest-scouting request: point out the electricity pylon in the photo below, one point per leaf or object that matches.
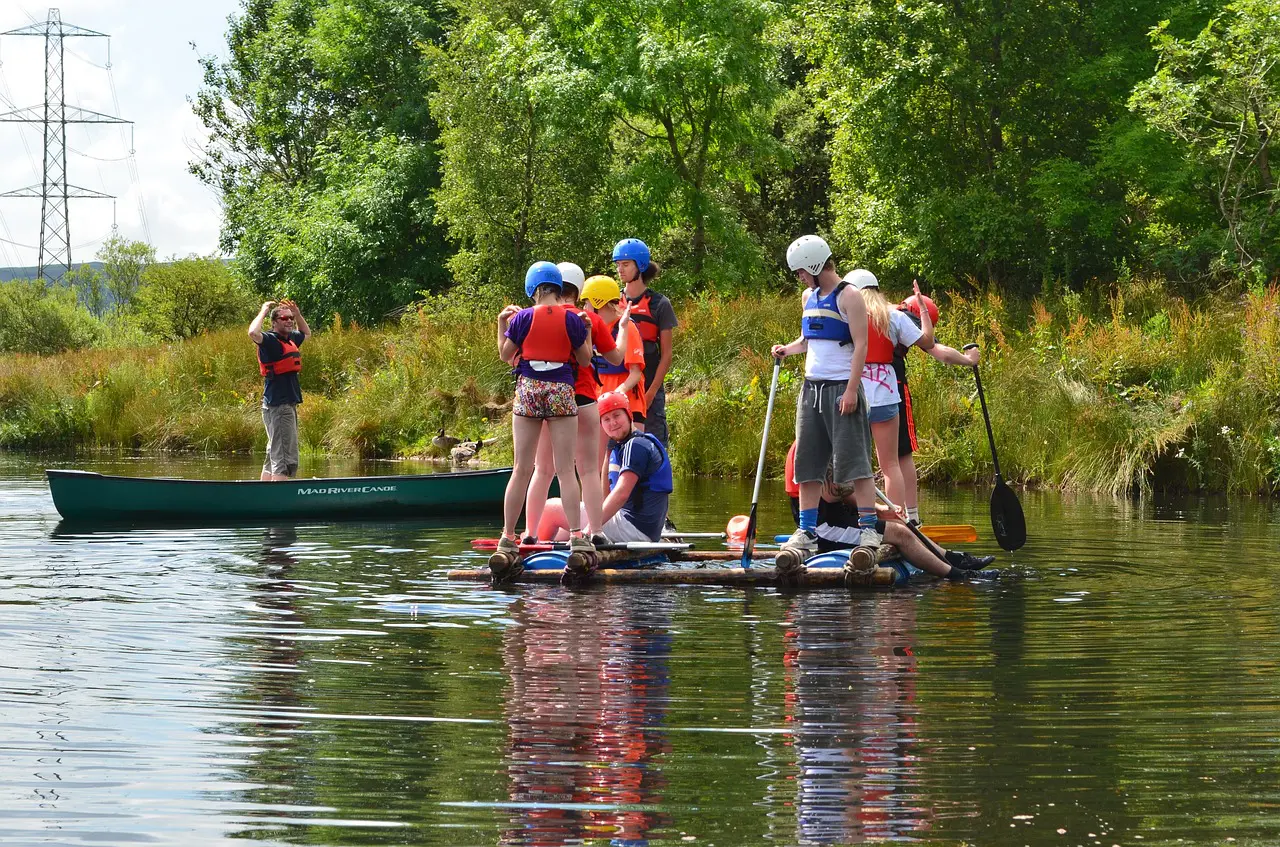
(54, 115)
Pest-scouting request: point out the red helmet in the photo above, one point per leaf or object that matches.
(611, 400)
(912, 306)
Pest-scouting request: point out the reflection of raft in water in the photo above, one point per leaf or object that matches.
(675, 564)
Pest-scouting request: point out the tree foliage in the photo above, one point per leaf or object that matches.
(185, 297)
(321, 143)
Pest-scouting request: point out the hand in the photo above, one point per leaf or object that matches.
(268, 306)
(915, 286)
(649, 395)
(626, 311)
(507, 313)
(292, 307)
(848, 402)
(972, 355)
(779, 351)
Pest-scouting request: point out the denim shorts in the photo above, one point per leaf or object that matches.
(880, 414)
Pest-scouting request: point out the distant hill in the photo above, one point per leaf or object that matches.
(7, 274)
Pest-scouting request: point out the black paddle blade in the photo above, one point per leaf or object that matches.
(1007, 522)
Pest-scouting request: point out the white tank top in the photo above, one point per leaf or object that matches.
(827, 359)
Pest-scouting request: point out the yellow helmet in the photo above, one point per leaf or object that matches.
(601, 290)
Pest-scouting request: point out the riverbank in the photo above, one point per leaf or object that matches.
(1109, 393)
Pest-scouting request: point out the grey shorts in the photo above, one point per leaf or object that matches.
(824, 437)
(282, 439)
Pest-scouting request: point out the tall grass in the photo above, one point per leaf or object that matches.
(1100, 391)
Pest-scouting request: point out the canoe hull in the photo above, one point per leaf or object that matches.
(93, 497)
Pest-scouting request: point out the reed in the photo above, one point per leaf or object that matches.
(1104, 391)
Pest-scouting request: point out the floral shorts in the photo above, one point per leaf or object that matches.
(537, 399)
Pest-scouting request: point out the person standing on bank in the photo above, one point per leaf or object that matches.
(652, 315)
(280, 362)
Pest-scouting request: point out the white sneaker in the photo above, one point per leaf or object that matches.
(804, 542)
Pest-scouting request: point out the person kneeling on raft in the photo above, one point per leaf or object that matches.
(640, 483)
(838, 530)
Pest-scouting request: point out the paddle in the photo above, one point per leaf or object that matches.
(749, 543)
(915, 530)
(1007, 522)
(961, 533)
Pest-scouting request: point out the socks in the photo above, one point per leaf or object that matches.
(913, 513)
(866, 518)
(809, 519)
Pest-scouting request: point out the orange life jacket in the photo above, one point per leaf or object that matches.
(290, 361)
(879, 347)
(644, 320)
(548, 338)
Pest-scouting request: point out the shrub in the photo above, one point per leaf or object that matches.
(35, 318)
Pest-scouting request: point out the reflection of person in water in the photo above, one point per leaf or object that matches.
(851, 667)
(586, 702)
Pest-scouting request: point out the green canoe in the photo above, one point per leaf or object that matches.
(86, 496)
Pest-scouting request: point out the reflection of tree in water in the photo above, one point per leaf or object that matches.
(587, 696)
(851, 671)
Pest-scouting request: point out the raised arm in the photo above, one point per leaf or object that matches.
(255, 326)
(926, 320)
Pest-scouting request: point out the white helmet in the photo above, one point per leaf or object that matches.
(808, 252)
(862, 278)
(572, 275)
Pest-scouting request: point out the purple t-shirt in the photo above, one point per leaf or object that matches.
(518, 330)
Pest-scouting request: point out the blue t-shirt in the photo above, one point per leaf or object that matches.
(284, 388)
(646, 510)
(518, 330)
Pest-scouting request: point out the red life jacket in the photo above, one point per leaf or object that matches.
(879, 347)
(290, 361)
(548, 338)
(643, 318)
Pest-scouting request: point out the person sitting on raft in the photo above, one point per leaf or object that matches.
(838, 530)
(639, 480)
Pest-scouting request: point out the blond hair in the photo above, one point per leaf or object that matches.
(877, 309)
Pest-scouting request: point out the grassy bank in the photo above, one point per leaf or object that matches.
(1107, 393)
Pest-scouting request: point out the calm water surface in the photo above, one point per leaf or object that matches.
(324, 684)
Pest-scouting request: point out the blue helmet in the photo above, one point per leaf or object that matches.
(633, 249)
(541, 273)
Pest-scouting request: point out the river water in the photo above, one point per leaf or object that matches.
(324, 684)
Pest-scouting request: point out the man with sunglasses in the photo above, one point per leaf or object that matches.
(280, 362)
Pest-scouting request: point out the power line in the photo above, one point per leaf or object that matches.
(54, 191)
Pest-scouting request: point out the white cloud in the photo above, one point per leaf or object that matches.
(155, 71)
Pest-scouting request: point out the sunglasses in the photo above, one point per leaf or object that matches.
(285, 318)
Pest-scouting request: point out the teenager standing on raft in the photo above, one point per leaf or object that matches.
(280, 362)
(655, 319)
(590, 445)
(603, 298)
(545, 342)
(887, 329)
(831, 419)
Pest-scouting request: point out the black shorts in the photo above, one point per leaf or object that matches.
(638, 417)
(906, 423)
(583, 400)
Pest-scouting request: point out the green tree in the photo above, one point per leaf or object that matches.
(1219, 95)
(185, 297)
(123, 264)
(524, 144)
(694, 86)
(90, 286)
(322, 146)
(36, 318)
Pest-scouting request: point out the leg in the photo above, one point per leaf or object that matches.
(564, 438)
(656, 416)
(524, 435)
(539, 483)
(586, 458)
(885, 435)
(554, 526)
(906, 458)
(897, 534)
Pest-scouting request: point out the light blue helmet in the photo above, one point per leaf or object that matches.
(633, 249)
(541, 273)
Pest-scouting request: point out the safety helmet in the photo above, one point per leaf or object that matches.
(611, 401)
(808, 252)
(912, 305)
(633, 249)
(862, 278)
(571, 274)
(601, 290)
(541, 273)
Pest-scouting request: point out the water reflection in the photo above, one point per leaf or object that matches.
(586, 701)
(851, 691)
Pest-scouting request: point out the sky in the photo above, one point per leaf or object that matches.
(155, 71)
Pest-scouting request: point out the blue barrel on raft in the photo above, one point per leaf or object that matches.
(554, 560)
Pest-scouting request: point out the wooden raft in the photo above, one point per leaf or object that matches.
(817, 578)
